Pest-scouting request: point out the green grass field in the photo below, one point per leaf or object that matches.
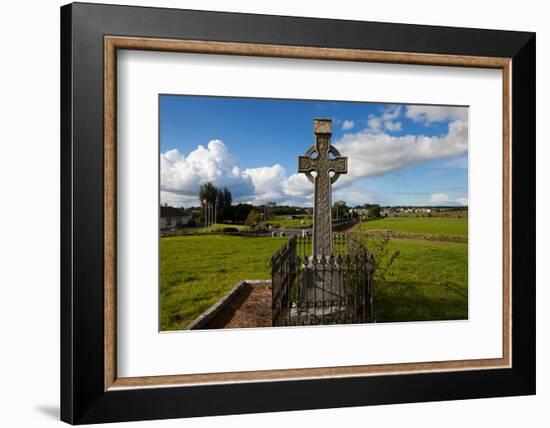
(196, 271)
(428, 281)
(218, 227)
(289, 223)
(424, 225)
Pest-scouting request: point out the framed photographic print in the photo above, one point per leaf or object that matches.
(266, 213)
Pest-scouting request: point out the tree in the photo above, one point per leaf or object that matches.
(374, 211)
(269, 208)
(220, 200)
(208, 193)
(225, 199)
(340, 210)
(240, 212)
(253, 219)
(207, 196)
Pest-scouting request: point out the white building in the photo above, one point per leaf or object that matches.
(173, 217)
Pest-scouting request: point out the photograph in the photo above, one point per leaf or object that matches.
(293, 212)
(281, 210)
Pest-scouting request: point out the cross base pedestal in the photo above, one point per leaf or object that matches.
(323, 283)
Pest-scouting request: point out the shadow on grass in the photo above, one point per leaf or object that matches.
(417, 301)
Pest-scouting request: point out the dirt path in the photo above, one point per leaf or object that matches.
(352, 228)
(251, 308)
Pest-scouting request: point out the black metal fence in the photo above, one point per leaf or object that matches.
(325, 290)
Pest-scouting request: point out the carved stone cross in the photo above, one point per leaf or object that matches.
(322, 158)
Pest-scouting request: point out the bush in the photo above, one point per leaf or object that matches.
(384, 256)
(253, 219)
(230, 230)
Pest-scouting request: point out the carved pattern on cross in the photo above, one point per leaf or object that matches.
(318, 159)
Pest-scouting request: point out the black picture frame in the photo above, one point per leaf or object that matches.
(83, 399)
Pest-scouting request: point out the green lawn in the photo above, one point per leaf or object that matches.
(428, 281)
(424, 225)
(215, 228)
(289, 223)
(195, 271)
(218, 227)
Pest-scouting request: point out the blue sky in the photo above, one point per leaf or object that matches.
(398, 154)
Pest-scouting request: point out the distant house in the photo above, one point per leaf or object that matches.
(173, 217)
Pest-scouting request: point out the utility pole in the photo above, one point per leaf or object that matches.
(205, 213)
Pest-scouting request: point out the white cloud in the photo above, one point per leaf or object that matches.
(298, 185)
(386, 120)
(391, 113)
(443, 199)
(181, 177)
(439, 197)
(175, 199)
(392, 126)
(347, 124)
(373, 153)
(355, 194)
(429, 114)
(370, 152)
(374, 122)
(268, 183)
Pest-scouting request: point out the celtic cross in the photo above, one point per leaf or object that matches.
(322, 158)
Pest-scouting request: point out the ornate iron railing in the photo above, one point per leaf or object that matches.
(325, 290)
